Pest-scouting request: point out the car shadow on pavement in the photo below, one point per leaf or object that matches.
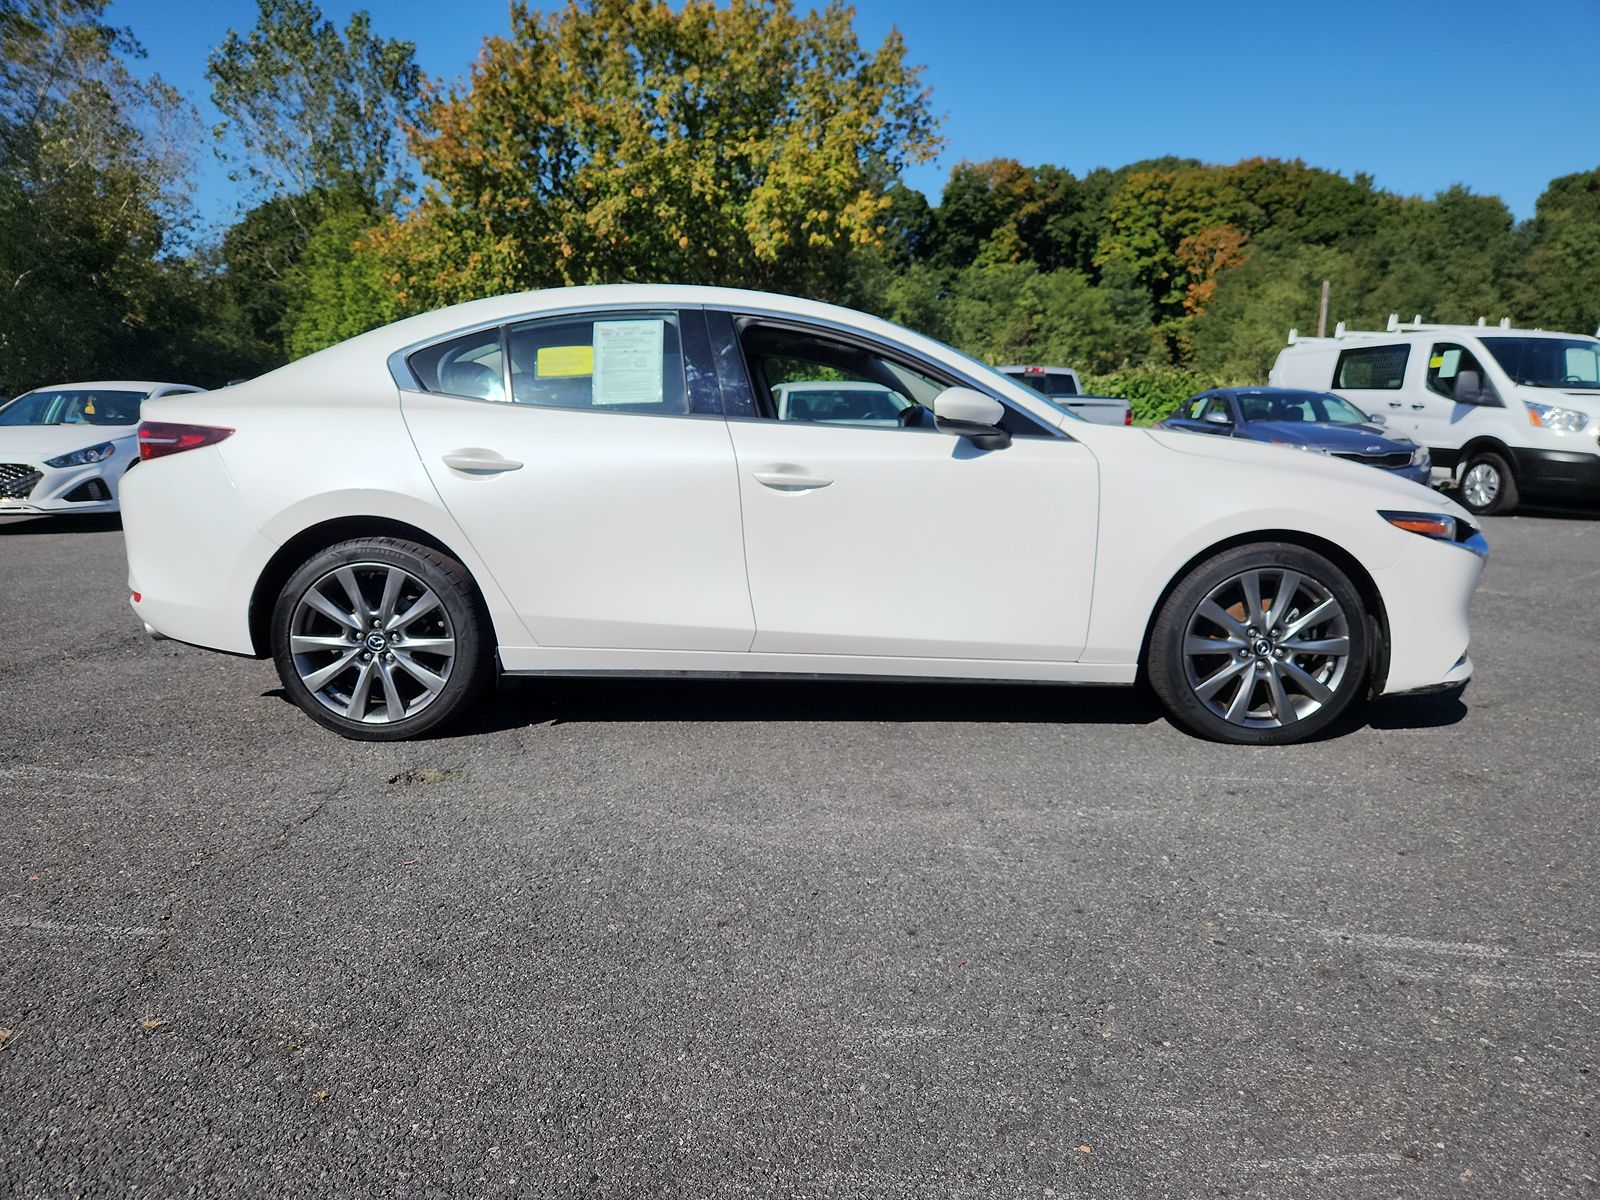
(22, 524)
(522, 702)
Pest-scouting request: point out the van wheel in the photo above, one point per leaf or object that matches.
(381, 639)
(1487, 485)
(1262, 645)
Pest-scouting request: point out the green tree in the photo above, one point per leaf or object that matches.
(628, 140)
(310, 111)
(1559, 286)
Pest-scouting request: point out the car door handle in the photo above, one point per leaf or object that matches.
(790, 481)
(1419, 407)
(480, 462)
(1394, 404)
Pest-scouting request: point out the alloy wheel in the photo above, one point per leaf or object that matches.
(372, 642)
(1267, 648)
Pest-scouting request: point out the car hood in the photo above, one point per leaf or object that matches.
(1346, 439)
(33, 443)
(1400, 492)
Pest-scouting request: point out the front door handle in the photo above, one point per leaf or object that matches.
(1419, 407)
(477, 461)
(1394, 404)
(790, 481)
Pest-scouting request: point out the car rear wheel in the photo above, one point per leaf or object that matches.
(1487, 485)
(381, 639)
(1262, 645)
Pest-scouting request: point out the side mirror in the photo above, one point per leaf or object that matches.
(972, 415)
(1216, 418)
(1469, 388)
(1377, 419)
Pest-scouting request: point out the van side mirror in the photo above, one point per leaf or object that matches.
(1469, 388)
(971, 415)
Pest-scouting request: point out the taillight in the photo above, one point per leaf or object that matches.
(157, 439)
(1127, 417)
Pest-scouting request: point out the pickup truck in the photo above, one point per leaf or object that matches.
(1060, 386)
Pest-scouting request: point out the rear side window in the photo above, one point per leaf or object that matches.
(607, 362)
(1372, 368)
(469, 365)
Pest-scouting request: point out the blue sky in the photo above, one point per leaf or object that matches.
(1421, 95)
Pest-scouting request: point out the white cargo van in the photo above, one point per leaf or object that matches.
(1505, 412)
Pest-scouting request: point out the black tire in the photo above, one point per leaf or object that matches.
(1275, 676)
(1500, 483)
(458, 620)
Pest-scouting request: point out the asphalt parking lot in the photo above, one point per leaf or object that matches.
(644, 939)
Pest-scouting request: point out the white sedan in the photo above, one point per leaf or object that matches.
(600, 481)
(65, 449)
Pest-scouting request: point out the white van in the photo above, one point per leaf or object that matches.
(1505, 412)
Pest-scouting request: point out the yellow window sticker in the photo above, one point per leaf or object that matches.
(557, 362)
(88, 407)
(1436, 362)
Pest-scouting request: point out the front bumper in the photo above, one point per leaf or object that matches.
(33, 489)
(1569, 473)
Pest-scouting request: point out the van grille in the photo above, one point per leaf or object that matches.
(17, 480)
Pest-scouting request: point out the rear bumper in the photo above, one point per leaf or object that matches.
(1573, 473)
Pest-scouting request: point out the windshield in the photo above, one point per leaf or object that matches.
(73, 408)
(1548, 362)
(1301, 406)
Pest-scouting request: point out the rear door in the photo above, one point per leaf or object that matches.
(1382, 379)
(593, 475)
(902, 541)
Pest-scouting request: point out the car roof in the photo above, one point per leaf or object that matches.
(1237, 392)
(114, 385)
(1038, 370)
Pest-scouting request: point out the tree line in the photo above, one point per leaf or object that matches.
(746, 143)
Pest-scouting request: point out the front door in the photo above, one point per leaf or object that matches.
(870, 532)
(599, 489)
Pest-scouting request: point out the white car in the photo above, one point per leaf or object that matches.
(596, 480)
(65, 449)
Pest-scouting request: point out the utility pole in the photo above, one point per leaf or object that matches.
(1322, 312)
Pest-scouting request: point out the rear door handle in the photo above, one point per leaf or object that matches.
(480, 462)
(1419, 407)
(1394, 404)
(790, 481)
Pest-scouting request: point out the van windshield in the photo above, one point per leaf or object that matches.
(1548, 362)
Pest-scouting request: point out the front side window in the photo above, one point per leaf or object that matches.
(1454, 372)
(608, 362)
(1372, 368)
(1548, 362)
(73, 408)
(1216, 410)
(807, 375)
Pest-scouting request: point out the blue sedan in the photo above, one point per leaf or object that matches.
(1315, 421)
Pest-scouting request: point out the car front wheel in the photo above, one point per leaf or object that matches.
(380, 639)
(1262, 645)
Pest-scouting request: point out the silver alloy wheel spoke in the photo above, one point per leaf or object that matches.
(329, 609)
(418, 672)
(1282, 707)
(424, 605)
(392, 583)
(320, 679)
(394, 707)
(1266, 648)
(356, 709)
(358, 660)
(1240, 706)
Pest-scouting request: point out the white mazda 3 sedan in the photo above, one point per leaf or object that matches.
(603, 481)
(65, 449)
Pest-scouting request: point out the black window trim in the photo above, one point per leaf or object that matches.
(872, 344)
(399, 362)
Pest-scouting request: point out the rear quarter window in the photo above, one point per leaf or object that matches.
(1372, 368)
